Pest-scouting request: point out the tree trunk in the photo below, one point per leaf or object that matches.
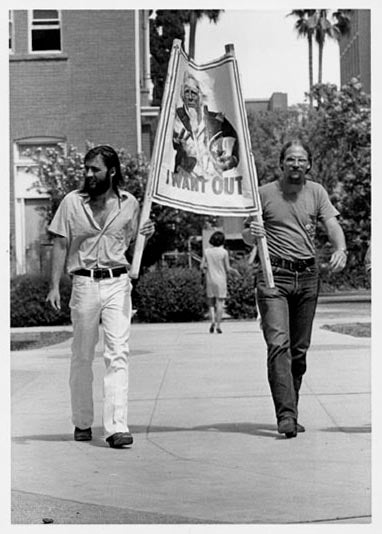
(320, 56)
(191, 45)
(310, 45)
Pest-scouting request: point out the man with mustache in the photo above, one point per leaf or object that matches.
(291, 209)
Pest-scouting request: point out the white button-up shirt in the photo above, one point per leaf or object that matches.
(89, 245)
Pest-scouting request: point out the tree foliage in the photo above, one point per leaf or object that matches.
(304, 27)
(315, 24)
(167, 25)
(269, 130)
(324, 28)
(340, 136)
(60, 172)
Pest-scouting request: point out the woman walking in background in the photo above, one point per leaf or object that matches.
(215, 264)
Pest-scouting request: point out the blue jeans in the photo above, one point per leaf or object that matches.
(287, 313)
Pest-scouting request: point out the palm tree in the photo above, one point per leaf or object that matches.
(324, 28)
(305, 27)
(194, 16)
(343, 21)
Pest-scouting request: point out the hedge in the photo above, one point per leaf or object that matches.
(170, 295)
(28, 305)
(166, 295)
(241, 300)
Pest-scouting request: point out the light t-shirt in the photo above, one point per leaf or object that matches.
(290, 220)
(89, 245)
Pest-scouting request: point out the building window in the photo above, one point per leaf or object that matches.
(10, 30)
(45, 30)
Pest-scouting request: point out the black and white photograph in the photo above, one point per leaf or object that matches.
(190, 255)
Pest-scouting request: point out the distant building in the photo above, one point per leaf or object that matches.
(75, 76)
(355, 50)
(276, 101)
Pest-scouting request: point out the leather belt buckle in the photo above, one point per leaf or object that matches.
(99, 274)
(300, 266)
(297, 265)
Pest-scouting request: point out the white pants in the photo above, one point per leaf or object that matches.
(109, 299)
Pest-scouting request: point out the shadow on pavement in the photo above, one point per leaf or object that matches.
(252, 429)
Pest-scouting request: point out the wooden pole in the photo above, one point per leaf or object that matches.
(261, 242)
(146, 207)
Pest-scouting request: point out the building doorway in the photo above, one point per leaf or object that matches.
(32, 246)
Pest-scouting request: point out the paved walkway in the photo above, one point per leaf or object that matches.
(206, 448)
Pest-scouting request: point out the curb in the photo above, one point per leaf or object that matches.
(345, 297)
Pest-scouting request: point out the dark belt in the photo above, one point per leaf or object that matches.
(98, 274)
(297, 265)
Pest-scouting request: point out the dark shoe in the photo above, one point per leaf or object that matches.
(120, 440)
(288, 427)
(82, 434)
(300, 428)
(212, 328)
(218, 330)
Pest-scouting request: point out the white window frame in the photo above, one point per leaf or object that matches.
(11, 31)
(43, 26)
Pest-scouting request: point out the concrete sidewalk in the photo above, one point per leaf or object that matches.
(206, 448)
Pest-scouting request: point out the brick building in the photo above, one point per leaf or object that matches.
(75, 76)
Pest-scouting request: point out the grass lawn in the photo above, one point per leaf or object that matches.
(351, 329)
(44, 339)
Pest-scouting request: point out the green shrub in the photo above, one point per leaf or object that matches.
(353, 277)
(241, 301)
(170, 295)
(28, 306)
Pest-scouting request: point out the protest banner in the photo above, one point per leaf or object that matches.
(202, 160)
